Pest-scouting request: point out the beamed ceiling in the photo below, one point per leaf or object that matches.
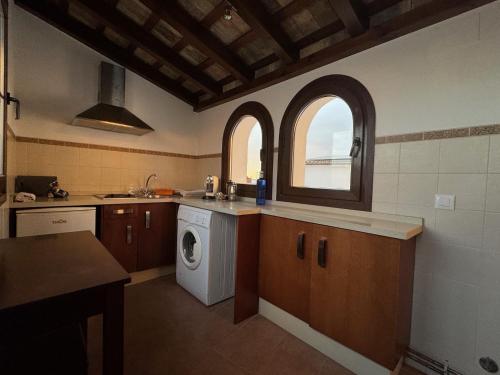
(189, 49)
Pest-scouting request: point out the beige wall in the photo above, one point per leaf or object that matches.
(89, 171)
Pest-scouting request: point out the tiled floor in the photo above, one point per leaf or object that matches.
(168, 332)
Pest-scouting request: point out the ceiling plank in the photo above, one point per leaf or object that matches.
(143, 39)
(353, 15)
(256, 16)
(92, 39)
(415, 19)
(243, 39)
(214, 15)
(291, 9)
(319, 34)
(196, 35)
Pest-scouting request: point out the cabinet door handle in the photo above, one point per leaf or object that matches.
(129, 234)
(322, 252)
(300, 245)
(148, 219)
(123, 211)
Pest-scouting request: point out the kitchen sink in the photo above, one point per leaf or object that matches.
(115, 196)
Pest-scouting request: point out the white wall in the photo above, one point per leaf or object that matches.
(56, 77)
(442, 77)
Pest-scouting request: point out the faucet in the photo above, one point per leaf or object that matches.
(149, 193)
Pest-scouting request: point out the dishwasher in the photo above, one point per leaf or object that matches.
(55, 220)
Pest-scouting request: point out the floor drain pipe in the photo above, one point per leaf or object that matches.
(430, 363)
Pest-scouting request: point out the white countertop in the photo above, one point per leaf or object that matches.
(396, 226)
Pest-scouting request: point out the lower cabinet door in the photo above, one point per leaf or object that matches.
(157, 235)
(119, 233)
(355, 295)
(284, 264)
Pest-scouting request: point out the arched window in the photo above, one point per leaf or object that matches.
(327, 141)
(247, 148)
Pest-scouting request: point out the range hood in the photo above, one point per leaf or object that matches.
(109, 114)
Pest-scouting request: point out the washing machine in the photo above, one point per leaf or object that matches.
(206, 243)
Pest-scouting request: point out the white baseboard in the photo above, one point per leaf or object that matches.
(339, 353)
(153, 273)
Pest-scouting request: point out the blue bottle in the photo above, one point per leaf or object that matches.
(261, 190)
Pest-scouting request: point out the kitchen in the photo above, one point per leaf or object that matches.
(427, 198)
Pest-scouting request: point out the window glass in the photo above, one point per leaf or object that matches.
(246, 145)
(321, 144)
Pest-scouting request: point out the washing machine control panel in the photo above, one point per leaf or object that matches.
(200, 220)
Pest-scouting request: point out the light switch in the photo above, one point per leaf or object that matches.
(444, 201)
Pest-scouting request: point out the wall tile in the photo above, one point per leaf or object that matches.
(464, 155)
(21, 155)
(417, 189)
(458, 263)
(386, 208)
(90, 157)
(40, 154)
(444, 323)
(387, 158)
(110, 159)
(491, 240)
(460, 227)
(419, 157)
(68, 156)
(89, 176)
(494, 157)
(385, 187)
(110, 176)
(469, 189)
(493, 193)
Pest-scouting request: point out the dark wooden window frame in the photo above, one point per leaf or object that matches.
(262, 115)
(359, 197)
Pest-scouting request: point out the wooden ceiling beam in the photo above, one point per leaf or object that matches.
(415, 19)
(256, 16)
(353, 15)
(143, 39)
(243, 39)
(196, 35)
(101, 44)
(319, 34)
(291, 9)
(214, 15)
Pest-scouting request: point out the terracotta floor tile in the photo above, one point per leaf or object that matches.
(294, 357)
(253, 344)
(169, 332)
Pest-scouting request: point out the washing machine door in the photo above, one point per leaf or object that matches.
(190, 248)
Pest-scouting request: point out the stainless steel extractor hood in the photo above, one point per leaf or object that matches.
(109, 114)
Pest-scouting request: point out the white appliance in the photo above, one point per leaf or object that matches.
(55, 220)
(206, 244)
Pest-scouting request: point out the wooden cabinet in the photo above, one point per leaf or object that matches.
(157, 234)
(140, 236)
(357, 288)
(119, 233)
(284, 264)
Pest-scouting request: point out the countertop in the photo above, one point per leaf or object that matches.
(395, 226)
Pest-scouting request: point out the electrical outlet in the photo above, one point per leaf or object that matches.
(444, 201)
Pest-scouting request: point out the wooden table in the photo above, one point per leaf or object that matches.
(51, 281)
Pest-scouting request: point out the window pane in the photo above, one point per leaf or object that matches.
(322, 141)
(246, 144)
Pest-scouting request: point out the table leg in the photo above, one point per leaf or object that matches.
(113, 331)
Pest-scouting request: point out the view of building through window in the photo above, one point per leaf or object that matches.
(322, 141)
(246, 143)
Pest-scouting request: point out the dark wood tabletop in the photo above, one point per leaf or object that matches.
(54, 281)
(41, 267)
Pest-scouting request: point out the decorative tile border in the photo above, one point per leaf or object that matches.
(441, 134)
(112, 148)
